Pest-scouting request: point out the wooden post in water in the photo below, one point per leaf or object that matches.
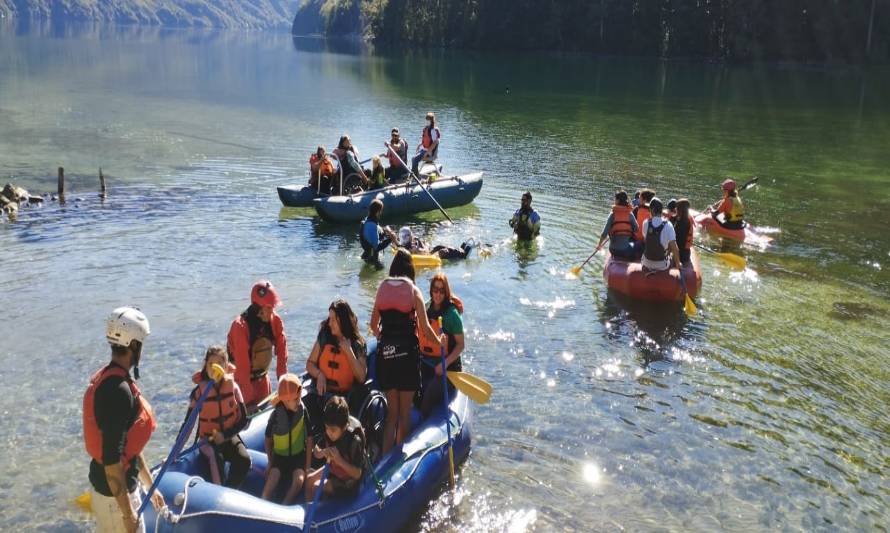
(102, 193)
(61, 190)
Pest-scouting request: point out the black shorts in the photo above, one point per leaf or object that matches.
(398, 365)
(288, 464)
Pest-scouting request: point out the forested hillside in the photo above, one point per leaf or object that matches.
(177, 13)
(736, 30)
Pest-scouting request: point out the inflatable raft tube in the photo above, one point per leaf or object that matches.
(749, 234)
(628, 278)
(409, 477)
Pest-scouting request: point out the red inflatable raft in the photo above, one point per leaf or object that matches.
(628, 278)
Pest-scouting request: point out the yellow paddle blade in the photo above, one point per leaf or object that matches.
(575, 270)
(733, 259)
(267, 399)
(689, 307)
(476, 388)
(84, 501)
(216, 372)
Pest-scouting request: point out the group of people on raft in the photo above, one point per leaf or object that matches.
(660, 236)
(324, 177)
(303, 431)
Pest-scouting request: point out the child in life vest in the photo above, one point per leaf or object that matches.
(343, 447)
(223, 415)
(287, 440)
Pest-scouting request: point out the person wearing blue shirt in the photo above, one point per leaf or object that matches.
(373, 236)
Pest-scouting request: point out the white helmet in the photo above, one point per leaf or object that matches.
(124, 325)
(405, 236)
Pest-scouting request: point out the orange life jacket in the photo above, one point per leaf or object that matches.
(642, 214)
(430, 347)
(621, 225)
(427, 138)
(139, 432)
(220, 410)
(337, 371)
(323, 166)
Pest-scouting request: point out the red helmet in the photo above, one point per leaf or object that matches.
(729, 184)
(263, 294)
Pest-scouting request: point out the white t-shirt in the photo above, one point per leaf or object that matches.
(667, 235)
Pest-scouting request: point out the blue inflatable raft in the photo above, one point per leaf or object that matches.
(298, 195)
(402, 199)
(404, 481)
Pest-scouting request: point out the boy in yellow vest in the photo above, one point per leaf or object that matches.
(287, 440)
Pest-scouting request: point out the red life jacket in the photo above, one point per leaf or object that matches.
(427, 138)
(138, 433)
(220, 410)
(337, 371)
(430, 347)
(621, 226)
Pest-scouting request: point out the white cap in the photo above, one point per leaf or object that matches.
(405, 236)
(124, 325)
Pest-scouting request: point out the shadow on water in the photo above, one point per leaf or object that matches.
(330, 45)
(655, 329)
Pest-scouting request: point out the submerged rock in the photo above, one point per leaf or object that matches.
(852, 311)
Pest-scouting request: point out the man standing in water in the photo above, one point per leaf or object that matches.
(117, 424)
(526, 222)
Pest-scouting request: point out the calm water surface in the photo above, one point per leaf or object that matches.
(767, 410)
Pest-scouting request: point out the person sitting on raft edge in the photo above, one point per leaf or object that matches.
(428, 148)
(343, 447)
(660, 241)
(378, 174)
(408, 241)
(321, 171)
(223, 415)
(620, 228)
(397, 171)
(287, 441)
(731, 206)
(641, 213)
(373, 237)
(526, 222)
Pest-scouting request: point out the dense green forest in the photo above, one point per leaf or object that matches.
(847, 31)
(171, 13)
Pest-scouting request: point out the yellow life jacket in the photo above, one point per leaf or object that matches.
(737, 213)
(288, 432)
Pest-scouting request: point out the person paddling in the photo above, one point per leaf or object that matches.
(252, 336)
(428, 149)
(730, 206)
(526, 222)
(660, 248)
(620, 228)
(374, 238)
(223, 415)
(117, 424)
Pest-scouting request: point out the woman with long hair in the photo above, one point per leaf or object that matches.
(398, 313)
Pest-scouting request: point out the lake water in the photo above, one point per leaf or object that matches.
(767, 410)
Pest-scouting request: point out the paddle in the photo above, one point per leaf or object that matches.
(217, 373)
(748, 184)
(688, 305)
(476, 388)
(731, 259)
(577, 270)
(447, 409)
(310, 513)
(390, 148)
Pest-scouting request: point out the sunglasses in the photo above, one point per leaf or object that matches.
(438, 288)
